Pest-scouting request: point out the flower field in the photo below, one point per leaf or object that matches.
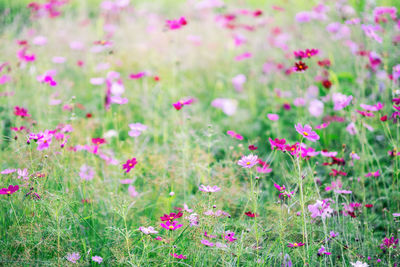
(200, 133)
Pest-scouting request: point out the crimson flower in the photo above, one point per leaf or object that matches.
(20, 111)
(251, 214)
(300, 66)
(295, 245)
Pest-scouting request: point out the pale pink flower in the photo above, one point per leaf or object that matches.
(248, 161)
(341, 101)
(209, 189)
(273, 117)
(132, 191)
(316, 108)
(238, 82)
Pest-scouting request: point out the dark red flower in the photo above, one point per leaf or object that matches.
(300, 66)
(383, 118)
(257, 13)
(369, 205)
(250, 214)
(88, 115)
(327, 84)
(324, 63)
(252, 147)
(156, 78)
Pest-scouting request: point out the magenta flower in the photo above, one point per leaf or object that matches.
(235, 135)
(248, 161)
(11, 189)
(322, 251)
(20, 111)
(172, 226)
(137, 76)
(207, 243)
(209, 189)
(130, 164)
(229, 236)
(295, 245)
(44, 140)
(374, 174)
(177, 23)
(178, 105)
(307, 132)
(280, 188)
(180, 256)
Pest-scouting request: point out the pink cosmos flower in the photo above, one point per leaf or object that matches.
(44, 140)
(280, 188)
(370, 31)
(228, 106)
(321, 209)
(248, 161)
(147, 230)
(373, 108)
(172, 226)
(136, 129)
(307, 132)
(207, 243)
(279, 144)
(273, 117)
(176, 24)
(8, 171)
(137, 76)
(238, 82)
(316, 108)
(11, 189)
(73, 257)
(86, 173)
(97, 259)
(209, 189)
(341, 101)
(132, 191)
(354, 155)
(130, 164)
(243, 56)
(351, 128)
(235, 135)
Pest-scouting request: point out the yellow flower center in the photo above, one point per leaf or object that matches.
(8, 192)
(130, 164)
(295, 245)
(305, 133)
(248, 163)
(171, 227)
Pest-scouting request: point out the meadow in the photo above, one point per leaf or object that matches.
(199, 133)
